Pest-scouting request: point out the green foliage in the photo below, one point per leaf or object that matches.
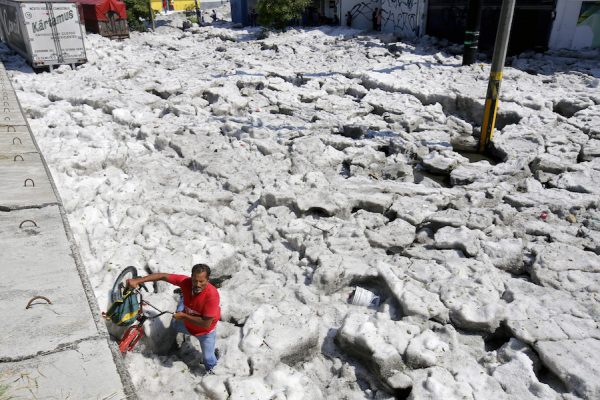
(276, 14)
(137, 9)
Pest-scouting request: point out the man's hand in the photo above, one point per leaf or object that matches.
(179, 315)
(196, 320)
(133, 283)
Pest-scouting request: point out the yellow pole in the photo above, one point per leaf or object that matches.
(493, 91)
(151, 15)
(489, 112)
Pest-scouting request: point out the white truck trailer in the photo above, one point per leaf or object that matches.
(45, 33)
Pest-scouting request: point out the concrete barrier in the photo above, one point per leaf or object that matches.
(54, 341)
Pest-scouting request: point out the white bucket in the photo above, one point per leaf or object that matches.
(363, 297)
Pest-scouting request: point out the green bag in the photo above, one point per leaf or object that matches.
(123, 312)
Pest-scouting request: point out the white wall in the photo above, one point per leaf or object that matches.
(361, 12)
(565, 32)
(405, 18)
(329, 12)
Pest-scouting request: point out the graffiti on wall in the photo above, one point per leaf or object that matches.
(398, 16)
(402, 15)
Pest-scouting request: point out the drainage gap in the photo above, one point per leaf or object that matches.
(545, 375)
(345, 169)
(493, 341)
(422, 176)
(476, 157)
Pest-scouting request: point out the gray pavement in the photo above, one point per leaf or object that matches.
(23, 172)
(58, 347)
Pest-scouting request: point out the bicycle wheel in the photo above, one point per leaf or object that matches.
(130, 338)
(120, 283)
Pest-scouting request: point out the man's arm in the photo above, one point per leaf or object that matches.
(134, 283)
(202, 322)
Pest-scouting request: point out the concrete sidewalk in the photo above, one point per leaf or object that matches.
(58, 347)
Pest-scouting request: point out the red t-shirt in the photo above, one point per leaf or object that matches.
(205, 304)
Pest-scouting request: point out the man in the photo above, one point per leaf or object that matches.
(197, 312)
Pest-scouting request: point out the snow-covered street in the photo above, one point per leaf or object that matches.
(310, 162)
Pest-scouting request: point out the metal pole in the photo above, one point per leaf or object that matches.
(493, 90)
(472, 32)
(198, 17)
(151, 15)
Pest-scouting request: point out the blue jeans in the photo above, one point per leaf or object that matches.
(207, 341)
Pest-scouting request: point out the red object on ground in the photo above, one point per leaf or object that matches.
(106, 17)
(130, 338)
(544, 215)
(98, 10)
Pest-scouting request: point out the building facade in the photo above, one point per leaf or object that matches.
(173, 5)
(577, 25)
(537, 24)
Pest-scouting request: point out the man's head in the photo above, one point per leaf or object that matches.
(200, 276)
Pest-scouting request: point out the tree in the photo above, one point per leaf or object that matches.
(276, 14)
(136, 10)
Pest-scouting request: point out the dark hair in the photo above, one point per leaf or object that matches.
(199, 268)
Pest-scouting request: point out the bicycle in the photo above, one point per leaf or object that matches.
(135, 332)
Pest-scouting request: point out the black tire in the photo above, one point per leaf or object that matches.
(120, 283)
